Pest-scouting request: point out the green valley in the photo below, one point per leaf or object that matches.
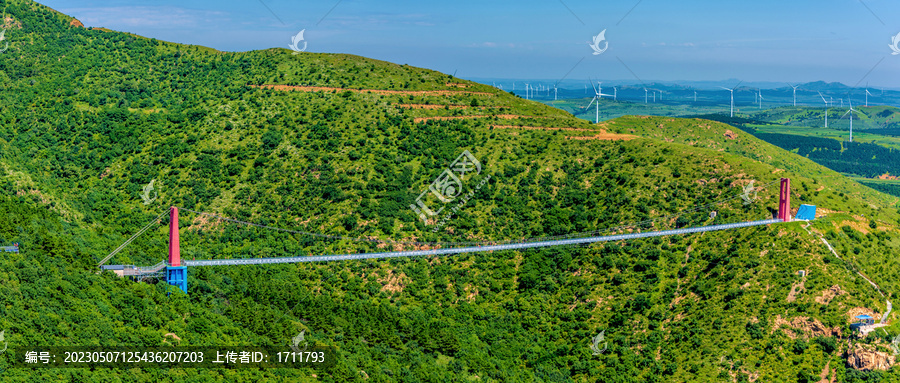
(341, 146)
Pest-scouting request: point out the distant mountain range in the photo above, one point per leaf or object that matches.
(820, 86)
(774, 93)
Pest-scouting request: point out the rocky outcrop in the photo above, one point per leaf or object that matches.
(865, 357)
(829, 294)
(804, 327)
(9, 22)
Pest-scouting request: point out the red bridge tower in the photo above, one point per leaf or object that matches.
(176, 274)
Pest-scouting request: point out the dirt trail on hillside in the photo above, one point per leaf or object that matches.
(503, 116)
(545, 128)
(433, 106)
(602, 134)
(376, 91)
(604, 137)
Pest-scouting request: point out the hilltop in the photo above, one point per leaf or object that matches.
(342, 145)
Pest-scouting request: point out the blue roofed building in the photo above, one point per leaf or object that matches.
(806, 212)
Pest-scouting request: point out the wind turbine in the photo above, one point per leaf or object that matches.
(554, 93)
(851, 118)
(615, 94)
(645, 95)
(732, 96)
(759, 93)
(596, 100)
(795, 93)
(867, 96)
(826, 108)
(597, 97)
(600, 93)
(695, 96)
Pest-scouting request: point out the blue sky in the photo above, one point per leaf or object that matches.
(764, 40)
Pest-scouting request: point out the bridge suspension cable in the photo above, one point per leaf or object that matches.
(477, 243)
(459, 250)
(133, 237)
(446, 247)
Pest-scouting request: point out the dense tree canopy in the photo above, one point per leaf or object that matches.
(89, 117)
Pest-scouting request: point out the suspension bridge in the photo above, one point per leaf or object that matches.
(174, 270)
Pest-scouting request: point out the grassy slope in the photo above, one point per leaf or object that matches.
(872, 117)
(711, 135)
(672, 309)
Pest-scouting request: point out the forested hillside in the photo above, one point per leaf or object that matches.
(863, 159)
(342, 145)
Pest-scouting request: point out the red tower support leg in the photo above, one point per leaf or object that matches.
(174, 248)
(784, 200)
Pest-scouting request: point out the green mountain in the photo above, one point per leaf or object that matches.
(343, 145)
(873, 117)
